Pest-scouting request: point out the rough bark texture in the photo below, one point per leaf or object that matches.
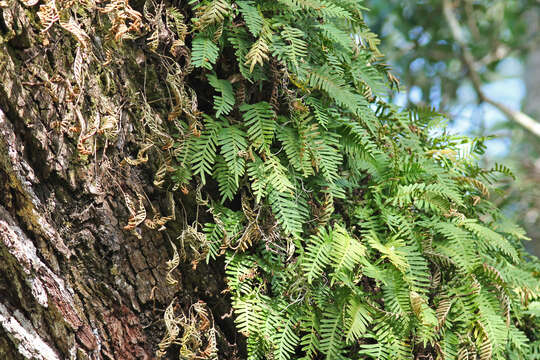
(73, 283)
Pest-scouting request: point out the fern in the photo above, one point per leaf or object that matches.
(295, 48)
(317, 255)
(287, 212)
(260, 123)
(213, 12)
(286, 340)
(347, 252)
(359, 318)
(233, 148)
(259, 51)
(332, 334)
(204, 52)
(223, 104)
(364, 231)
(351, 228)
(204, 150)
(252, 16)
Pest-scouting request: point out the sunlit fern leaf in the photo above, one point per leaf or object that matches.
(259, 120)
(337, 36)
(204, 52)
(285, 208)
(239, 272)
(249, 314)
(204, 149)
(252, 16)
(257, 176)
(213, 12)
(323, 79)
(224, 103)
(358, 319)
(296, 46)
(285, 339)
(393, 250)
(258, 52)
(448, 345)
(277, 176)
(295, 148)
(397, 295)
(233, 149)
(310, 326)
(317, 254)
(325, 8)
(319, 110)
(418, 272)
(332, 334)
(519, 340)
(461, 249)
(347, 251)
(363, 72)
(492, 239)
(227, 182)
(326, 156)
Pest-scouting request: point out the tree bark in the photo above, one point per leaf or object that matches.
(73, 283)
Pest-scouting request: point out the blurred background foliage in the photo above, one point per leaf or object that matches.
(479, 62)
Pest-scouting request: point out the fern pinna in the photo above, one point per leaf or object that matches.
(365, 232)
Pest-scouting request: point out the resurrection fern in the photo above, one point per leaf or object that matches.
(223, 103)
(204, 52)
(350, 228)
(413, 261)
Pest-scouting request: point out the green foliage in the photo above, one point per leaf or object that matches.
(223, 104)
(204, 52)
(364, 232)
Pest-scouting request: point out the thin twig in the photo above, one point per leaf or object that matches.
(521, 118)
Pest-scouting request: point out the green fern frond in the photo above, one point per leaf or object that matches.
(257, 176)
(259, 119)
(286, 339)
(234, 150)
(214, 12)
(204, 149)
(323, 79)
(289, 215)
(357, 321)
(331, 334)
(296, 47)
(492, 240)
(204, 52)
(347, 252)
(317, 255)
(325, 8)
(224, 103)
(249, 314)
(252, 16)
(337, 36)
(227, 182)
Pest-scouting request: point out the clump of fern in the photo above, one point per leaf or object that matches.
(361, 234)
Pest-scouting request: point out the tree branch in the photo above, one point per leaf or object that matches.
(521, 118)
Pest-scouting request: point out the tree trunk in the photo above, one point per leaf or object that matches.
(74, 284)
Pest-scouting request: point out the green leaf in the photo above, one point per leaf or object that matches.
(223, 104)
(259, 119)
(204, 52)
